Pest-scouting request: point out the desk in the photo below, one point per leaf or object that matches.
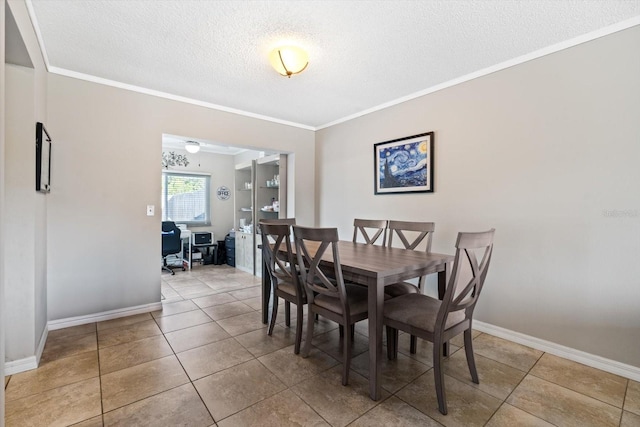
(207, 247)
(186, 235)
(376, 267)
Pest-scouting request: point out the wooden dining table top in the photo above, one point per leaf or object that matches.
(382, 262)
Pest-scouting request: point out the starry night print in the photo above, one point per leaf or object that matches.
(403, 165)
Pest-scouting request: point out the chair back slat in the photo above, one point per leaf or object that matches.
(464, 297)
(288, 221)
(378, 228)
(425, 230)
(311, 246)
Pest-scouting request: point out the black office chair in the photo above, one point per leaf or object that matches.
(171, 243)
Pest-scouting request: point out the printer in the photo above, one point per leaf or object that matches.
(202, 238)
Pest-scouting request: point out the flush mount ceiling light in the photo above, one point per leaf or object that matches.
(288, 60)
(192, 146)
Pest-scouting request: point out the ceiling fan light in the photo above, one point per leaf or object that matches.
(289, 60)
(192, 146)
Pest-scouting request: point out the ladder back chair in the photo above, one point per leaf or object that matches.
(328, 296)
(416, 233)
(281, 268)
(439, 321)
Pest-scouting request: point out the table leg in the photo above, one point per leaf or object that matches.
(375, 306)
(266, 293)
(443, 278)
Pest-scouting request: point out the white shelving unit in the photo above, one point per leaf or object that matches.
(244, 202)
(258, 184)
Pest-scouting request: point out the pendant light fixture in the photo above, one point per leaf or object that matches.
(192, 146)
(289, 60)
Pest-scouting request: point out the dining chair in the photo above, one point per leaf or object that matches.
(281, 268)
(377, 228)
(411, 234)
(345, 304)
(439, 321)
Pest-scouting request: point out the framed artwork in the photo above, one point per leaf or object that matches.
(404, 165)
(43, 159)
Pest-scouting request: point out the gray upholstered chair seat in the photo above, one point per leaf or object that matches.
(287, 287)
(399, 289)
(419, 311)
(356, 298)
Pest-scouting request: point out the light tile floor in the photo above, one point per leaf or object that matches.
(205, 358)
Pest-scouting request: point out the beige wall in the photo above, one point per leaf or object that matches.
(541, 151)
(24, 218)
(103, 251)
(20, 213)
(2, 208)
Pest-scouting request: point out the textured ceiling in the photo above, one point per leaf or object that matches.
(363, 54)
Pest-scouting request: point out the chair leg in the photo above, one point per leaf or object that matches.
(287, 314)
(439, 377)
(353, 333)
(392, 351)
(307, 343)
(471, 361)
(274, 314)
(414, 344)
(445, 349)
(341, 329)
(299, 321)
(346, 355)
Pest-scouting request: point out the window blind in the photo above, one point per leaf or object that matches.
(186, 198)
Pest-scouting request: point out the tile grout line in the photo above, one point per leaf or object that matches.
(185, 372)
(528, 372)
(624, 400)
(240, 344)
(99, 376)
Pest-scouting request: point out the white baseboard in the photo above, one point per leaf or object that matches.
(43, 341)
(32, 362)
(20, 365)
(27, 363)
(598, 362)
(105, 315)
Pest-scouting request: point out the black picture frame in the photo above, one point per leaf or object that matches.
(404, 165)
(43, 159)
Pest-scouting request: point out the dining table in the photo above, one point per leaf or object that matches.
(376, 267)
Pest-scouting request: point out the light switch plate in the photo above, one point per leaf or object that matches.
(150, 210)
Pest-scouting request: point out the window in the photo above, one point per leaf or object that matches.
(185, 198)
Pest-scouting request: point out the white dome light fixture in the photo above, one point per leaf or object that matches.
(192, 146)
(289, 60)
